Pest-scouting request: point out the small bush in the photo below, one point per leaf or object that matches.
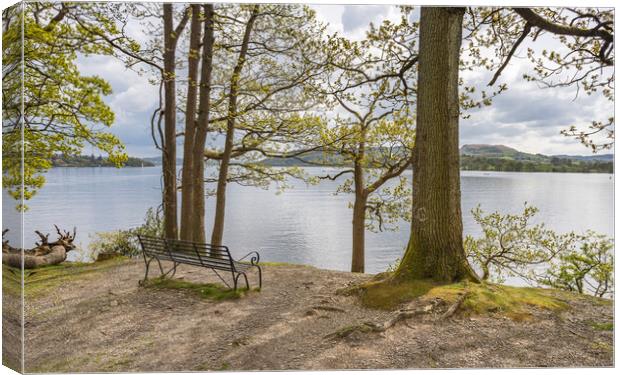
(587, 267)
(513, 246)
(125, 242)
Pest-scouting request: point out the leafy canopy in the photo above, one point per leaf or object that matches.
(63, 110)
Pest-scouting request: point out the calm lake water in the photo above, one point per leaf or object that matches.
(305, 224)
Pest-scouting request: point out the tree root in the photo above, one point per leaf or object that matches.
(455, 306)
(399, 316)
(367, 327)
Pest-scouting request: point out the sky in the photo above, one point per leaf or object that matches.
(526, 117)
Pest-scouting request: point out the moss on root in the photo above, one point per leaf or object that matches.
(481, 298)
(208, 291)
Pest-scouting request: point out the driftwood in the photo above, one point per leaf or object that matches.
(43, 254)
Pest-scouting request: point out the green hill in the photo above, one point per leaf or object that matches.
(482, 157)
(94, 161)
(500, 151)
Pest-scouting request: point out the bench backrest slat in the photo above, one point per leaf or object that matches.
(206, 255)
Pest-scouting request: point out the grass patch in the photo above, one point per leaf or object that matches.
(207, 291)
(483, 298)
(602, 326)
(39, 280)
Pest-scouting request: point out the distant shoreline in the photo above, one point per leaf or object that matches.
(336, 167)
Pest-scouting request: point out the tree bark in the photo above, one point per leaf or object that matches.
(435, 248)
(220, 203)
(169, 147)
(187, 180)
(359, 232)
(202, 127)
(359, 207)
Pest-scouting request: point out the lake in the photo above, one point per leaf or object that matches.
(305, 224)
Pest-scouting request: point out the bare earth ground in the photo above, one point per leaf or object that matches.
(104, 321)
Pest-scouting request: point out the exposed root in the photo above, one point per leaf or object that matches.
(455, 306)
(367, 327)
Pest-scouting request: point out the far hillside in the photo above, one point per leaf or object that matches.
(481, 157)
(95, 161)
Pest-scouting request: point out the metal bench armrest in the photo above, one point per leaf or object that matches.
(255, 257)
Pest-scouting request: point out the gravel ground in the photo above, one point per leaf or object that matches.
(107, 322)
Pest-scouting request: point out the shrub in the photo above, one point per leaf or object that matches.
(125, 242)
(587, 267)
(512, 246)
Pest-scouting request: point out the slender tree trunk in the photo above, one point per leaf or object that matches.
(220, 202)
(169, 147)
(359, 232)
(187, 180)
(202, 127)
(435, 248)
(359, 206)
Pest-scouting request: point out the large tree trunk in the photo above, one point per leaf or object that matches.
(187, 180)
(169, 148)
(198, 222)
(220, 200)
(435, 248)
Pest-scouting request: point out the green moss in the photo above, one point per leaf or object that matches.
(483, 298)
(40, 280)
(207, 291)
(387, 295)
(602, 326)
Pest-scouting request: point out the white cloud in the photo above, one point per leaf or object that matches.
(525, 117)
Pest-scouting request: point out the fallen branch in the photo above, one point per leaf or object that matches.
(43, 254)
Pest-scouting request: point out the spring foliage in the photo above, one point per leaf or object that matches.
(511, 245)
(59, 110)
(125, 242)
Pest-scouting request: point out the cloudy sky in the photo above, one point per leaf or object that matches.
(525, 117)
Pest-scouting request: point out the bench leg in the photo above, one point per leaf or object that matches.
(260, 276)
(236, 280)
(161, 269)
(173, 269)
(146, 271)
(247, 284)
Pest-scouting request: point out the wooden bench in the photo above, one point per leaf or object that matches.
(216, 258)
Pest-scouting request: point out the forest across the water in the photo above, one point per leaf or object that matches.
(479, 158)
(95, 161)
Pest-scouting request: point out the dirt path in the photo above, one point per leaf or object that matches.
(106, 322)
